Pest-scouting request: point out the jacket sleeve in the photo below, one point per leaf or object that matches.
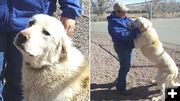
(71, 8)
(122, 32)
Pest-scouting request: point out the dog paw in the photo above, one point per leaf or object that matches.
(177, 84)
(155, 99)
(153, 81)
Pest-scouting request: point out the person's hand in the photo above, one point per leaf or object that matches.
(130, 26)
(69, 25)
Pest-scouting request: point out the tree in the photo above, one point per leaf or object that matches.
(151, 6)
(100, 6)
(162, 6)
(85, 7)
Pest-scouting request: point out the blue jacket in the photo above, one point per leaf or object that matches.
(120, 34)
(14, 14)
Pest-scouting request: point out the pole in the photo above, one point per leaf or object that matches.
(151, 10)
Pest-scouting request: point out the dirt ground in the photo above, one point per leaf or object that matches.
(105, 66)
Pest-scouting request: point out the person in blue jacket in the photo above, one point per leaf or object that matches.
(122, 36)
(14, 15)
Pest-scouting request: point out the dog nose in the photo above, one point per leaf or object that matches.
(22, 38)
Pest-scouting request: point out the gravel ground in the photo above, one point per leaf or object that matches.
(105, 66)
(81, 35)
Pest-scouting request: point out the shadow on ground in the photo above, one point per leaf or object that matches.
(136, 93)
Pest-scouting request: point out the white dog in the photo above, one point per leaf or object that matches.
(53, 70)
(150, 45)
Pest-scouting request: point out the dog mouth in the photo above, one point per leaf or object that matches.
(29, 54)
(21, 47)
(36, 67)
(18, 44)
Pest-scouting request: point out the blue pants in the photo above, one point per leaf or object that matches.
(11, 89)
(124, 55)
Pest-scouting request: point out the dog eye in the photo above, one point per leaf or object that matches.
(45, 32)
(31, 23)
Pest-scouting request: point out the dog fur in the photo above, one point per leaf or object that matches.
(152, 48)
(53, 70)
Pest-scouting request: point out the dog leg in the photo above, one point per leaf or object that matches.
(162, 95)
(163, 88)
(173, 83)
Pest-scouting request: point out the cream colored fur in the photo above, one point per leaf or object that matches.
(151, 47)
(53, 70)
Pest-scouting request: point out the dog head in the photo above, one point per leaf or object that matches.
(141, 23)
(43, 42)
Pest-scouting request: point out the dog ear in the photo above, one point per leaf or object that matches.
(66, 44)
(63, 54)
(145, 22)
(63, 49)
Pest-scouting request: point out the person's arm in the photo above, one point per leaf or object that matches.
(70, 10)
(122, 32)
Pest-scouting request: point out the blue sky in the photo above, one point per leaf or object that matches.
(131, 1)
